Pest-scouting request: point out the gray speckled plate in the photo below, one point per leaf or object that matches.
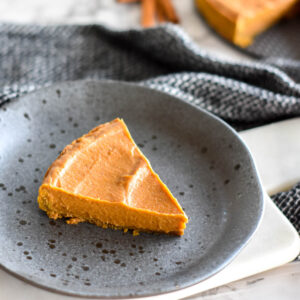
(202, 160)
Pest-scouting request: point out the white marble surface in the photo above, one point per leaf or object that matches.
(281, 283)
(267, 151)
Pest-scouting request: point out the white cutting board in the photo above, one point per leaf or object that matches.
(274, 243)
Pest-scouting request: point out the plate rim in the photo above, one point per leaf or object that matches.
(227, 261)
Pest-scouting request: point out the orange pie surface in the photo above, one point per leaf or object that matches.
(241, 20)
(103, 178)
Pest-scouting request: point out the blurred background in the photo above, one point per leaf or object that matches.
(113, 14)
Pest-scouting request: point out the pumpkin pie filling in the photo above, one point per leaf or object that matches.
(103, 178)
(241, 20)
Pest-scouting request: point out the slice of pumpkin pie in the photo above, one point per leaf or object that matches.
(103, 178)
(240, 21)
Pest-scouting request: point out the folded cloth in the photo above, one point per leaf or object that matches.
(163, 58)
(281, 40)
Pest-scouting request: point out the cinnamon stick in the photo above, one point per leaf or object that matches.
(160, 14)
(148, 13)
(168, 10)
(128, 1)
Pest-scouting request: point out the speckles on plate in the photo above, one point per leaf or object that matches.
(154, 148)
(62, 131)
(99, 245)
(204, 150)
(19, 244)
(21, 188)
(74, 258)
(237, 167)
(51, 246)
(181, 193)
(52, 275)
(117, 261)
(44, 101)
(85, 268)
(75, 125)
(23, 222)
(52, 223)
(58, 93)
(52, 146)
(21, 160)
(141, 145)
(27, 255)
(226, 181)
(26, 116)
(24, 202)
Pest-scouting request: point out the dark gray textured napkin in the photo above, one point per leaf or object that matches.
(164, 58)
(281, 40)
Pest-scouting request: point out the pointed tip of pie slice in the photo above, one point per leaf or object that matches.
(104, 178)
